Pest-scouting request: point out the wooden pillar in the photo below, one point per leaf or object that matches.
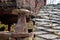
(9, 26)
(21, 24)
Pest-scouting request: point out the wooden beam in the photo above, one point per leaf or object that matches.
(13, 34)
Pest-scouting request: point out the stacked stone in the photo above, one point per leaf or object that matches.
(48, 25)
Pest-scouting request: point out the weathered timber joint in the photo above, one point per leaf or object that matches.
(26, 8)
(21, 30)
